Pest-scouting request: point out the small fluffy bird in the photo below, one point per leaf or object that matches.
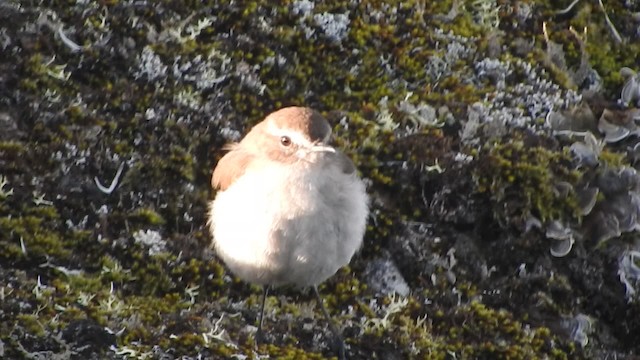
(290, 209)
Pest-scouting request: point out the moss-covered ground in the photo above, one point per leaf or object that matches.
(114, 113)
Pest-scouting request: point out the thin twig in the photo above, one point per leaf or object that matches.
(114, 182)
(610, 23)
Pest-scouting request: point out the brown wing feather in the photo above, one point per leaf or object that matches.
(235, 163)
(230, 168)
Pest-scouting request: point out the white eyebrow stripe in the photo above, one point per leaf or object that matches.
(295, 136)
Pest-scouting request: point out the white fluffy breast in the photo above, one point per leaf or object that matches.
(289, 224)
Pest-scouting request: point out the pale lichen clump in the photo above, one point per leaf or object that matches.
(629, 273)
(5, 191)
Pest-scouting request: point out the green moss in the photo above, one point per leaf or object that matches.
(497, 334)
(209, 275)
(517, 341)
(147, 216)
(559, 75)
(150, 273)
(520, 180)
(181, 161)
(290, 352)
(31, 324)
(11, 149)
(613, 159)
(32, 230)
(345, 288)
(184, 343)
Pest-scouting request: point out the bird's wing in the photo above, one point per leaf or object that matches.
(344, 162)
(230, 168)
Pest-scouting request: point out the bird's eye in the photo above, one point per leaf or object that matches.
(285, 141)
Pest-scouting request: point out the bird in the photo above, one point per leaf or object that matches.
(290, 209)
